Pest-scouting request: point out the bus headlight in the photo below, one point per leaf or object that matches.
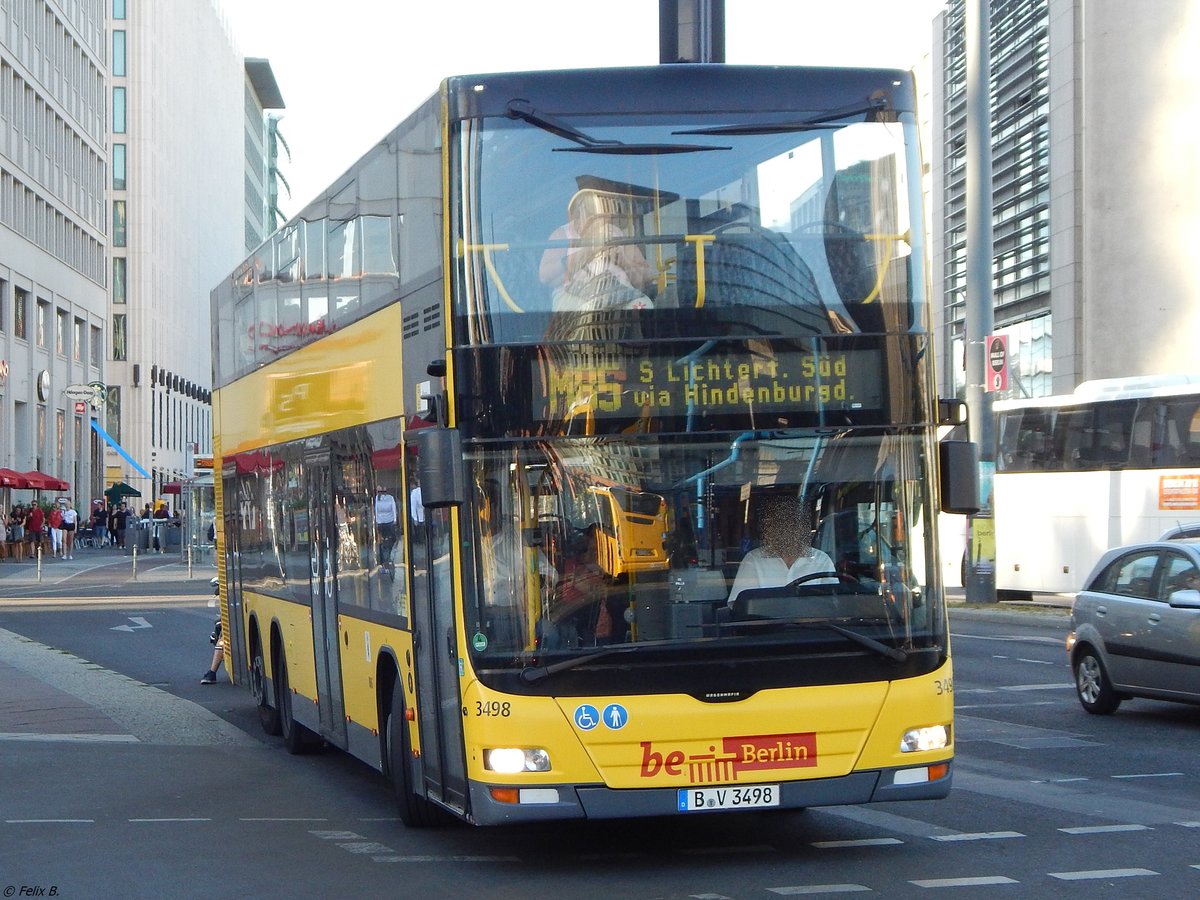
(932, 737)
(512, 760)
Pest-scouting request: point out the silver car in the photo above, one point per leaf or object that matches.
(1135, 627)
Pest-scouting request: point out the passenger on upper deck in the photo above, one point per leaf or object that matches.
(786, 552)
(598, 269)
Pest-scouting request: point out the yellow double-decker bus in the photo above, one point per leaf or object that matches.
(725, 268)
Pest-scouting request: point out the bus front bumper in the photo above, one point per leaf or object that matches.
(543, 803)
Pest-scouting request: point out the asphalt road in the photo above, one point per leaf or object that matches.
(140, 782)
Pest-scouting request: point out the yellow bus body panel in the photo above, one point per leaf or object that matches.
(361, 645)
(295, 627)
(347, 378)
(673, 740)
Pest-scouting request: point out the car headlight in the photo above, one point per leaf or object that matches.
(932, 737)
(513, 760)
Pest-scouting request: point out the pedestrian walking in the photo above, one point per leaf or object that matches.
(70, 524)
(54, 525)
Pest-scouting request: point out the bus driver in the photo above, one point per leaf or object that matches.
(786, 552)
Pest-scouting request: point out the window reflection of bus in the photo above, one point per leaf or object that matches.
(633, 530)
(1115, 462)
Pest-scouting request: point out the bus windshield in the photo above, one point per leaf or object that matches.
(737, 226)
(707, 545)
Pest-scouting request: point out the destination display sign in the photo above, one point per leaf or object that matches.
(609, 384)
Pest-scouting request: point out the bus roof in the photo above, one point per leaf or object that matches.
(1106, 389)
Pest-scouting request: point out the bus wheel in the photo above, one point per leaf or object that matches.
(415, 812)
(268, 715)
(295, 735)
(1096, 694)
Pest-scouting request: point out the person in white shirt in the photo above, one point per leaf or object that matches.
(786, 552)
(70, 522)
(385, 523)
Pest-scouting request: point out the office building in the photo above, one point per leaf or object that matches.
(53, 240)
(1096, 196)
(181, 100)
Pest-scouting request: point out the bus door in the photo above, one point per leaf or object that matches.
(235, 634)
(443, 761)
(323, 536)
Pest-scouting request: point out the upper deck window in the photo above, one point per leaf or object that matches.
(777, 230)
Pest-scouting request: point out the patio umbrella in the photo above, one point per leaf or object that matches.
(40, 481)
(119, 490)
(11, 478)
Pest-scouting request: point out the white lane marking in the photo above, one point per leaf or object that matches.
(980, 881)
(1065, 686)
(444, 859)
(1151, 775)
(280, 819)
(138, 622)
(159, 821)
(865, 842)
(1189, 824)
(365, 847)
(72, 738)
(49, 821)
(1105, 829)
(820, 889)
(1101, 873)
(978, 836)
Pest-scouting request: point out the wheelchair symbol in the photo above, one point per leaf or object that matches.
(587, 717)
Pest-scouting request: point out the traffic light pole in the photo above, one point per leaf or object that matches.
(980, 312)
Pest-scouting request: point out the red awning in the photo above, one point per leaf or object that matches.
(40, 481)
(12, 478)
(173, 487)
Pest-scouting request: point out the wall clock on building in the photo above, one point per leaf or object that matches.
(43, 386)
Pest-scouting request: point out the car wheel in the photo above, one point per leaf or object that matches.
(1095, 691)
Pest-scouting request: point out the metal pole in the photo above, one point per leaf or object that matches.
(979, 310)
(691, 31)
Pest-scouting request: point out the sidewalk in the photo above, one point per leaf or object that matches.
(151, 567)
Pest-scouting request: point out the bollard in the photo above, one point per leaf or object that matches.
(135, 550)
(39, 561)
(189, 562)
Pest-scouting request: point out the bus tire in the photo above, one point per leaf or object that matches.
(1095, 691)
(415, 812)
(268, 715)
(296, 738)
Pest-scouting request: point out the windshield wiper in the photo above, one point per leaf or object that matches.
(876, 106)
(524, 110)
(893, 653)
(534, 674)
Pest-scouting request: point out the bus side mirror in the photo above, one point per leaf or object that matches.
(440, 466)
(958, 472)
